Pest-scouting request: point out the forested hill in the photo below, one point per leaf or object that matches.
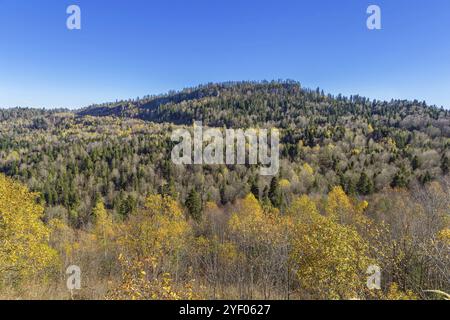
(283, 104)
(121, 151)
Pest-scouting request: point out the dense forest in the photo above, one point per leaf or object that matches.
(361, 183)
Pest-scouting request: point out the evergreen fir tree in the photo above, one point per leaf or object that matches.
(194, 205)
(399, 180)
(254, 187)
(275, 193)
(415, 163)
(365, 184)
(445, 164)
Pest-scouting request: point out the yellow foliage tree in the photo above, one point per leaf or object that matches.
(152, 242)
(395, 293)
(308, 169)
(137, 285)
(159, 231)
(63, 240)
(302, 209)
(260, 240)
(251, 222)
(103, 228)
(284, 184)
(24, 248)
(341, 209)
(339, 206)
(330, 259)
(444, 236)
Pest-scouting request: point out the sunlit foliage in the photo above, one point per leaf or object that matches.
(24, 248)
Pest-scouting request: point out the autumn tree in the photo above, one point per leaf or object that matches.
(103, 228)
(24, 247)
(153, 240)
(330, 258)
(338, 206)
(137, 285)
(258, 236)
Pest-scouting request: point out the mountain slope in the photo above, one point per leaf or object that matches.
(283, 104)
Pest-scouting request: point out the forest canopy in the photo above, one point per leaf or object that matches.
(360, 183)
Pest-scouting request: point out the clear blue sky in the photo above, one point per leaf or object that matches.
(132, 48)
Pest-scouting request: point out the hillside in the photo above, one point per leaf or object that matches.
(122, 150)
(283, 104)
(360, 183)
